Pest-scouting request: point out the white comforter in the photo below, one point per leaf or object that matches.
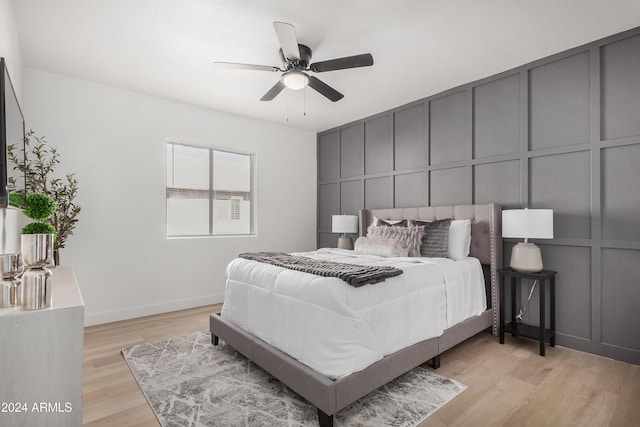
(337, 329)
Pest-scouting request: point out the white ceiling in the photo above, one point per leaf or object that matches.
(166, 48)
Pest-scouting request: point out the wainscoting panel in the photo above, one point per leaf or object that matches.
(328, 240)
(620, 298)
(620, 189)
(378, 146)
(559, 108)
(351, 197)
(573, 288)
(562, 133)
(562, 182)
(411, 149)
(449, 186)
(410, 190)
(496, 117)
(351, 155)
(328, 156)
(328, 205)
(497, 182)
(448, 128)
(378, 193)
(621, 88)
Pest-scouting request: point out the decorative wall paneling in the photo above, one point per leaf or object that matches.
(563, 133)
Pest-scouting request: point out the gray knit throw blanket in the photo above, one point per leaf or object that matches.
(355, 275)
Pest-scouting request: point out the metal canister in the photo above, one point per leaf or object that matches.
(9, 293)
(37, 250)
(35, 289)
(10, 265)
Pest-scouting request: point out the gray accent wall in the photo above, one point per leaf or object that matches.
(561, 133)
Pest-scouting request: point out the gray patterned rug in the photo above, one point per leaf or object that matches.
(188, 382)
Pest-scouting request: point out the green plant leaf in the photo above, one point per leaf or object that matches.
(17, 200)
(39, 206)
(38, 161)
(38, 228)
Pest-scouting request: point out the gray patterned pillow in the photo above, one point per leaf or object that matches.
(409, 237)
(435, 240)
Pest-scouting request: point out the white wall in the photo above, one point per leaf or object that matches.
(115, 142)
(10, 45)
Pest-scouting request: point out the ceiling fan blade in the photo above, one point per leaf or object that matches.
(324, 89)
(246, 66)
(364, 60)
(273, 92)
(288, 40)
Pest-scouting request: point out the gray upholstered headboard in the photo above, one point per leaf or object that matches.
(486, 233)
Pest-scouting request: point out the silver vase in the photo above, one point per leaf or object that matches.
(35, 289)
(37, 253)
(9, 293)
(10, 265)
(10, 270)
(37, 250)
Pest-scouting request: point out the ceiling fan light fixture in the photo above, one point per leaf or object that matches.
(295, 79)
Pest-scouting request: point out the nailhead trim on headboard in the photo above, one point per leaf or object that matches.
(494, 273)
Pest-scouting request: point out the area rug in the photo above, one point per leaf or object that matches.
(191, 383)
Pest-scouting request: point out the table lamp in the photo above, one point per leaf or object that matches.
(344, 224)
(527, 224)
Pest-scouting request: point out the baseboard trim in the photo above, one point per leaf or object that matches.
(149, 310)
(611, 351)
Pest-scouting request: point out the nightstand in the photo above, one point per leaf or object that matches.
(540, 333)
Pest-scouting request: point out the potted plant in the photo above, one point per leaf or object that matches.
(37, 252)
(38, 162)
(38, 236)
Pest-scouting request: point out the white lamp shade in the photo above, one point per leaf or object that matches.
(528, 223)
(344, 223)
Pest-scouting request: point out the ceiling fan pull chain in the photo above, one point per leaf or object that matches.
(304, 108)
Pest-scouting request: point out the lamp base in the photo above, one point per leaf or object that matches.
(345, 242)
(526, 257)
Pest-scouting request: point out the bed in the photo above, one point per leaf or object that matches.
(333, 389)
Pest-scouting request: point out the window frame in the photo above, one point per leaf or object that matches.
(212, 192)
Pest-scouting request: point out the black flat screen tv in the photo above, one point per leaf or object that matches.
(12, 180)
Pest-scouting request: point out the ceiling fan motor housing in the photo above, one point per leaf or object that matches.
(302, 64)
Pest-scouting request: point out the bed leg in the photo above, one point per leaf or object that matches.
(435, 362)
(214, 339)
(325, 420)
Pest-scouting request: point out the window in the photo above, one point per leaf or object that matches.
(209, 191)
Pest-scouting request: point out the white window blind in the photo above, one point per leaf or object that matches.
(188, 167)
(208, 191)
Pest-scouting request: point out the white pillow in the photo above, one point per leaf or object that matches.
(459, 239)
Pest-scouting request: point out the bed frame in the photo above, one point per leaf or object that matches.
(329, 396)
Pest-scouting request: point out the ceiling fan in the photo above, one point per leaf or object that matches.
(295, 60)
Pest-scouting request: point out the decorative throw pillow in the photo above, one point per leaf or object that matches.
(380, 247)
(409, 237)
(390, 222)
(435, 239)
(459, 237)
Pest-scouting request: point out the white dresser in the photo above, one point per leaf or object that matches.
(41, 359)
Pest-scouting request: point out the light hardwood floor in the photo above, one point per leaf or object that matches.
(508, 384)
